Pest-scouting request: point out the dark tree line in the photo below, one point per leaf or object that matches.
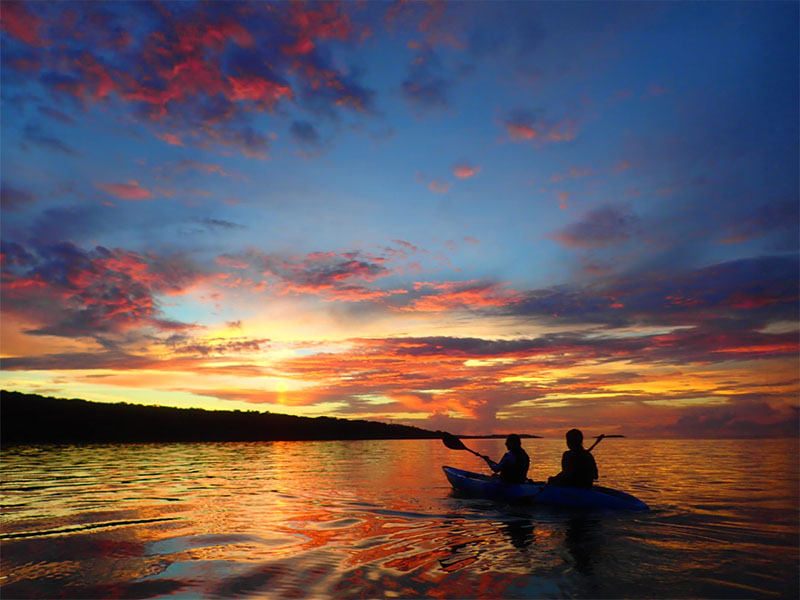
(30, 418)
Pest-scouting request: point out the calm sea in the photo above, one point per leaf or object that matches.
(377, 519)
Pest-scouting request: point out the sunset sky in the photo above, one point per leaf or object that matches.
(476, 217)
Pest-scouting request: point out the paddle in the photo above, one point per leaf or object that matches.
(601, 437)
(454, 443)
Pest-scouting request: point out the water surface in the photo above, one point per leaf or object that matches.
(377, 519)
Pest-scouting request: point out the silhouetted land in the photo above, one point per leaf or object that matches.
(29, 418)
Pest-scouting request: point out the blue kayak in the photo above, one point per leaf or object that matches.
(484, 486)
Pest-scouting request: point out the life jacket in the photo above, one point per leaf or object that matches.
(518, 471)
(582, 469)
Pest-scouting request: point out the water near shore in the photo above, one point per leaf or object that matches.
(377, 519)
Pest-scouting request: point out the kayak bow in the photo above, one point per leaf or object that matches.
(484, 486)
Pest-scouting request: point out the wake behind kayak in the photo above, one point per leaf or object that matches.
(483, 486)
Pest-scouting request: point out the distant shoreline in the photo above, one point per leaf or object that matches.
(35, 419)
(30, 418)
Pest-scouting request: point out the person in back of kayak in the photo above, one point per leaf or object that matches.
(513, 467)
(578, 468)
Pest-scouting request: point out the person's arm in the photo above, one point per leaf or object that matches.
(492, 465)
(497, 467)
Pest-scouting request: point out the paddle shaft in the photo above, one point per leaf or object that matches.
(454, 443)
(600, 438)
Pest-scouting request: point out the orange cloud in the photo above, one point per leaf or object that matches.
(457, 294)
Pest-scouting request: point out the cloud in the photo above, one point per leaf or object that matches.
(212, 224)
(194, 74)
(452, 295)
(751, 418)
(33, 134)
(426, 86)
(305, 133)
(12, 198)
(309, 25)
(196, 165)
(55, 114)
(170, 138)
(20, 23)
(126, 191)
(69, 292)
(438, 186)
(202, 347)
(330, 275)
(232, 262)
(604, 226)
(523, 126)
(740, 295)
(764, 220)
(465, 171)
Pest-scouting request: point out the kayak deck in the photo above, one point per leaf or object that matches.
(485, 486)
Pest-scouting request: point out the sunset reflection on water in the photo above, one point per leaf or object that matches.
(377, 519)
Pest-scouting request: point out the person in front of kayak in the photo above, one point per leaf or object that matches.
(513, 467)
(578, 468)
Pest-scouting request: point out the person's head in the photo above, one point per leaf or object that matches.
(513, 441)
(574, 439)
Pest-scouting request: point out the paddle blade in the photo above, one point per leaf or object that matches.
(452, 441)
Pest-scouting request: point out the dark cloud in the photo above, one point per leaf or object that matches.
(763, 220)
(603, 226)
(71, 223)
(210, 347)
(55, 114)
(12, 198)
(305, 133)
(324, 273)
(33, 134)
(750, 292)
(744, 419)
(426, 86)
(245, 139)
(213, 224)
(692, 346)
(112, 359)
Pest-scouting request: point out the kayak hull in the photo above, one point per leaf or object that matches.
(484, 486)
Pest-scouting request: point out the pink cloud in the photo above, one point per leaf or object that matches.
(170, 138)
(126, 191)
(439, 187)
(562, 132)
(257, 89)
(464, 171)
(326, 23)
(522, 126)
(20, 23)
(520, 131)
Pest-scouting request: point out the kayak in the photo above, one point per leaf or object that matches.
(484, 486)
